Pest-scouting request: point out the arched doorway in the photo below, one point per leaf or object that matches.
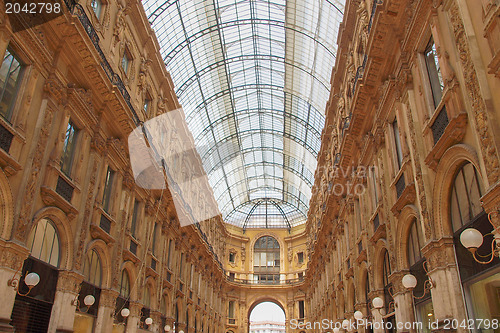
(266, 316)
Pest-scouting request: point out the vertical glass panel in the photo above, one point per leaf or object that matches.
(397, 144)
(124, 284)
(434, 72)
(108, 187)
(92, 268)
(44, 242)
(68, 148)
(97, 7)
(465, 203)
(10, 75)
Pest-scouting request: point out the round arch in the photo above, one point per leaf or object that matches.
(151, 284)
(451, 161)
(181, 312)
(129, 267)
(6, 207)
(102, 250)
(264, 299)
(380, 249)
(62, 225)
(408, 215)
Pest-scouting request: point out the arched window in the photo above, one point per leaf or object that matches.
(146, 298)
(466, 192)
(92, 268)
(44, 242)
(414, 244)
(124, 284)
(266, 260)
(389, 304)
(163, 305)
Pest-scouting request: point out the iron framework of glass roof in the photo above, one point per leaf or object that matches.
(253, 77)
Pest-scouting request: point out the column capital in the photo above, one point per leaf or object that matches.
(135, 308)
(491, 204)
(439, 253)
(108, 298)
(12, 254)
(69, 281)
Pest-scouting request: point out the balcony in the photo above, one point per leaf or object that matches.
(439, 125)
(102, 230)
(266, 283)
(5, 139)
(64, 189)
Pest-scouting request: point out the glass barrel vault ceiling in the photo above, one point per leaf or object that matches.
(253, 77)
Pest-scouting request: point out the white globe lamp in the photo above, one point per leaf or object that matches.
(125, 312)
(471, 239)
(378, 303)
(32, 279)
(89, 300)
(409, 281)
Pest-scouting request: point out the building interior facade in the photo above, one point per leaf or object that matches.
(346, 165)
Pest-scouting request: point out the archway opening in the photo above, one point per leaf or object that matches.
(267, 317)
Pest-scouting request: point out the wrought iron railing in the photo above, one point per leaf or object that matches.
(133, 247)
(400, 185)
(262, 282)
(361, 68)
(64, 189)
(5, 138)
(439, 125)
(76, 9)
(153, 264)
(376, 222)
(105, 224)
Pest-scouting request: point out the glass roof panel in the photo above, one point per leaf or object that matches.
(253, 77)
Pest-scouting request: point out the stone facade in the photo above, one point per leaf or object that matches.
(390, 153)
(350, 231)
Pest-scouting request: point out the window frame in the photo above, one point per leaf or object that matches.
(71, 157)
(108, 189)
(135, 219)
(127, 55)
(90, 279)
(101, 7)
(397, 145)
(433, 73)
(18, 84)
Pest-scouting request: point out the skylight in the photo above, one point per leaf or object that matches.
(253, 78)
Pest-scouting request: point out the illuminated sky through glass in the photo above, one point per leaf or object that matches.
(253, 78)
